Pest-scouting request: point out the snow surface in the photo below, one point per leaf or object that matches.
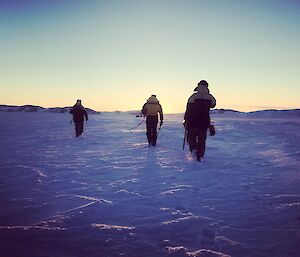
(107, 194)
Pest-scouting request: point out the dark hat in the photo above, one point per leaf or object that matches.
(203, 83)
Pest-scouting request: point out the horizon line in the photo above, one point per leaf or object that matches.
(228, 109)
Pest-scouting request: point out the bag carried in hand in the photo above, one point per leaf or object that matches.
(212, 130)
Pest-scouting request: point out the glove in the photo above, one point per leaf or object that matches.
(161, 122)
(212, 130)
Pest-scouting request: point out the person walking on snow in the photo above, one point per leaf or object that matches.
(197, 119)
(78, 113)
(150, 110)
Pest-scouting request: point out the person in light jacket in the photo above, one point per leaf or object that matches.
(151, 110)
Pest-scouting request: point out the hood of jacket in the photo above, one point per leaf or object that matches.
(202, 93)
(152, 100)
(202, 90)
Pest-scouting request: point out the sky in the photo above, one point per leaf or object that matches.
(114, 54)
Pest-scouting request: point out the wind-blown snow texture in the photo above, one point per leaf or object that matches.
(107, 194)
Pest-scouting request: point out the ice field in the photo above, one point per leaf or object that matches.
(107, 194)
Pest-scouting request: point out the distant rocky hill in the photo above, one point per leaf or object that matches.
(223, 111)
(271, 113)
(34, 108)
(293, 113)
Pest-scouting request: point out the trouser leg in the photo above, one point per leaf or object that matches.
(191, 138)
(201, 149)
(196, 139)
(154, 135)
(201, 141)
(81, 128)
(151, 130)
(78, 128)
(149, 137)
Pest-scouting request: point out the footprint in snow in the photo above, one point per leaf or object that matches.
(208, 237)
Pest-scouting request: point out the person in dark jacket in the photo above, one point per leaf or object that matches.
(197, 119)
(78, 113)
(150, 110)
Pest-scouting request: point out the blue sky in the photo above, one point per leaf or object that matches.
(114, 54)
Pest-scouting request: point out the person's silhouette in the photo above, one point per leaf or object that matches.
(78, 113)
(197, 118)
